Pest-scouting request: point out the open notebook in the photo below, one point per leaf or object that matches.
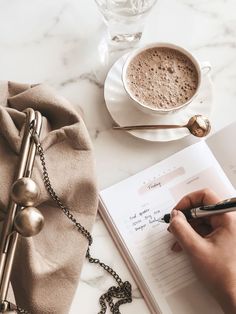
(131, 208)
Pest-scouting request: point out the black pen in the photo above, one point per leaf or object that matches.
(228, 205)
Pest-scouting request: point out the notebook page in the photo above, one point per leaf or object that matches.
(136, 203)
(224, 148)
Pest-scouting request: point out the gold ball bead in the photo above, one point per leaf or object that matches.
(29, 222)
(24, 192)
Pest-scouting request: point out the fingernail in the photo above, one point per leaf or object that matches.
(173, 247)
(174, 213)
(176, 247)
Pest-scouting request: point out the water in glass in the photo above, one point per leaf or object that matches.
(125, 18)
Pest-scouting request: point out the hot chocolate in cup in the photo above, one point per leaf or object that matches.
(162, 78)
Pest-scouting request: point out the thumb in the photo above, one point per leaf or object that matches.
(187, 237)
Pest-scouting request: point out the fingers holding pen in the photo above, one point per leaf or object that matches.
(184, 233)
(196, 199)
(200, 227)
(195, 235)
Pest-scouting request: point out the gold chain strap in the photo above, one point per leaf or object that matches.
(122, 292)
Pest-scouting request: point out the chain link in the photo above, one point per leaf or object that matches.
(7, 306)
(21, 311)
(123, 291)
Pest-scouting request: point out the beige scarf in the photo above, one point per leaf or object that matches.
(47, 266)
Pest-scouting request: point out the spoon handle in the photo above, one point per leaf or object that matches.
(148, 127)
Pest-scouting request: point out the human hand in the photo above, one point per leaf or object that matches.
(211, 246)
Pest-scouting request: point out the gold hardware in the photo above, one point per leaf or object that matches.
(20, 218)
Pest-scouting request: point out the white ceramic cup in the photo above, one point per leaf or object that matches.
(202, 69)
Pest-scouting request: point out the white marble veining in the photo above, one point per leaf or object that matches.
(59, 42)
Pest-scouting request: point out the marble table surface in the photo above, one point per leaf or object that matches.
(59, 42)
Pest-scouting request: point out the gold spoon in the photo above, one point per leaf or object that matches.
(197, 125)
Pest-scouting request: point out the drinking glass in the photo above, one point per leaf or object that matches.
(125, 19)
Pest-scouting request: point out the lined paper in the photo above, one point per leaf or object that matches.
(170, 271)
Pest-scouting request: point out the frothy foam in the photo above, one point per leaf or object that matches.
(162, 78)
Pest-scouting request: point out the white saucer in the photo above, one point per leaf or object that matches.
(123, 111)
